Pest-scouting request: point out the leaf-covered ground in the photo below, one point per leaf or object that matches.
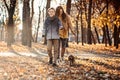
(92, 62)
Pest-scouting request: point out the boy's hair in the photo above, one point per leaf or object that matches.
(50, 9)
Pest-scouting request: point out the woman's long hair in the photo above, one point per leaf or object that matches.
(58, 12)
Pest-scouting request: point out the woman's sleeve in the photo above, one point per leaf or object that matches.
(69, 21)
(70, 24)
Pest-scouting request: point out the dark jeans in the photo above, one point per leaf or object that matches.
(64, 42)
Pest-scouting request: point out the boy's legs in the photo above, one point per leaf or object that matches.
(49, 50)
(56, 49)
(59, 46)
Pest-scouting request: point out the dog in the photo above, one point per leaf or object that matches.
(71, 60)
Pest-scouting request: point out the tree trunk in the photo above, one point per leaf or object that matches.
(10, 35)
(26, 32)
(82, 28)
(89, 23)
(1, 28)
(2, 33)
(85, 35)
(47, 6)
(29, 34)
(68, 7)
(93, 38)
(104, 36)
(116, 5)
(77, 32)
(25, 23)
(103, 39)
(85, 10)
(107, 31)
(38, 25)
(116, 36)
(108, 36)
(85, 30)
(119, 35)
(117, 41)
(10, 24)
(30, 38)
(97, 35)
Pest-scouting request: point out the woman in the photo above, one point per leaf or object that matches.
(51, 29)
(66, 22)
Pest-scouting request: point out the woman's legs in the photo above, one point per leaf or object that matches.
(63, 47)
(62, 52)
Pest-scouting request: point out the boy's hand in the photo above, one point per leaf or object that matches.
(61, 27)
(43, 35)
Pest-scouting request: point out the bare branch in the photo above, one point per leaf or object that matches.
(77, 6)
(104, 7)
(6, 5)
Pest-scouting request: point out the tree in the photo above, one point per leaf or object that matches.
(68, 7)
(2, 26)
(38, 26)
(97, 34)
(107, 29)
(116, 33)
(10, 23)
(27, 23)
(89, 34)
(116, 36)
(77, 29)
(30, 29)
(81, 18)
(79, 6)
(47, 6)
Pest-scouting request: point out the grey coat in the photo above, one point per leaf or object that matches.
(51, 28)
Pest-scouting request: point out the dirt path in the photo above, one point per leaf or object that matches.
(34, 66)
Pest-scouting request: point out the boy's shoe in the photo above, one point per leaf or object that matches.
(58, 61)
(54, 64)
(50, 61)
(58, 57)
